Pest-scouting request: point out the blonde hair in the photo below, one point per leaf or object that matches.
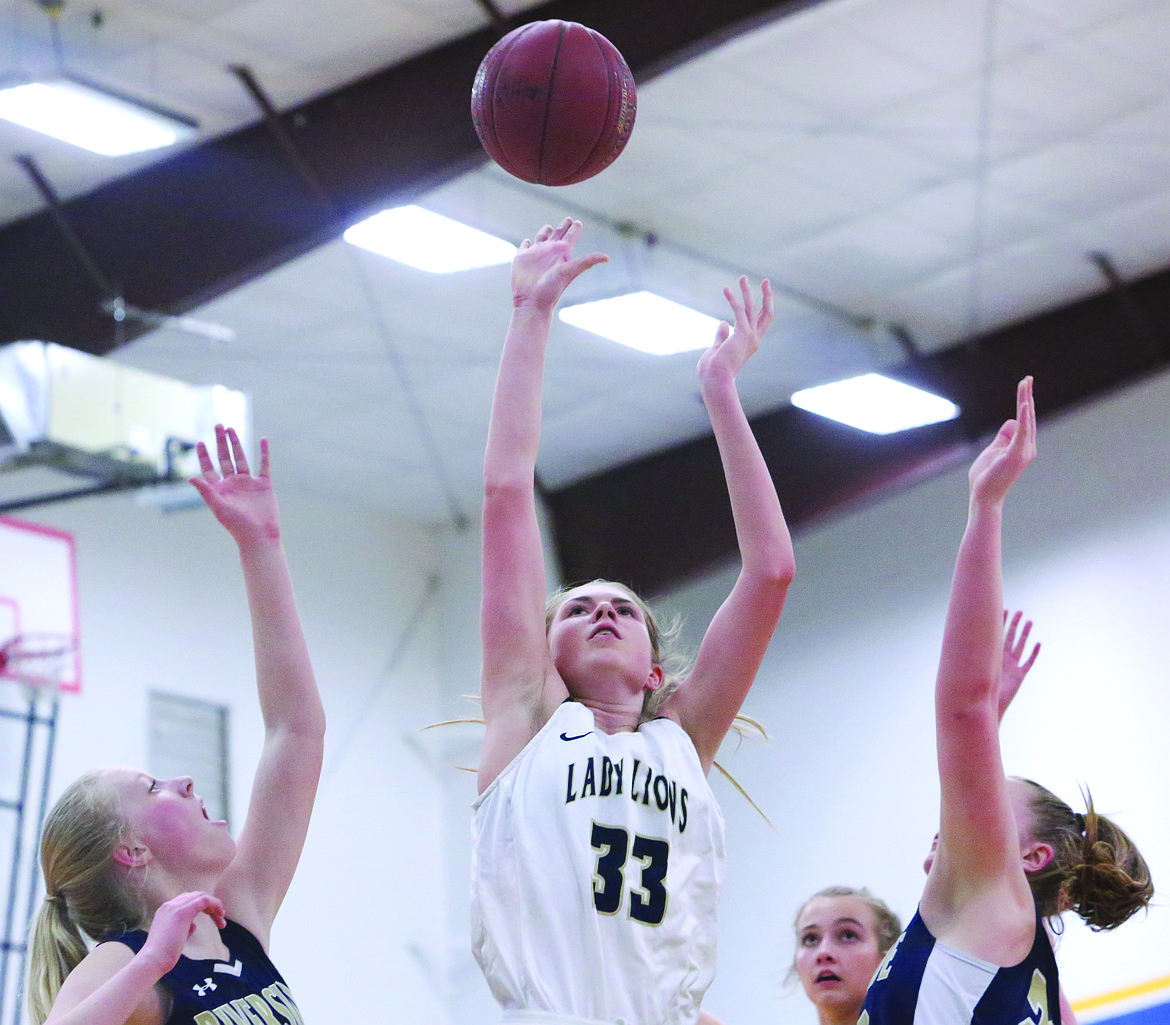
(1096, 870)
(675, 664)
(87, 898)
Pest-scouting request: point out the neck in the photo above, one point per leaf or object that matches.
(162, 885)
(838, 1015)
(613, 717)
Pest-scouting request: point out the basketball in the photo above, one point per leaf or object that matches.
(553, 102)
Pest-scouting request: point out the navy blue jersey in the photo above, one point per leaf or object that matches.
(244, 988)
(924, 982)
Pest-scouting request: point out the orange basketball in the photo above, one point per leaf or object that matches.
(553, 102)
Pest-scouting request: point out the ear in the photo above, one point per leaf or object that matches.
(656, 678)
(132, 855)
(1036, 855)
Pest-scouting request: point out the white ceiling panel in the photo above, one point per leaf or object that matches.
(883, 159)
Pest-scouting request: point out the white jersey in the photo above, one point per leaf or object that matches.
(596, 871)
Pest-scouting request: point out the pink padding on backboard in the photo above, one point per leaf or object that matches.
(38, 588)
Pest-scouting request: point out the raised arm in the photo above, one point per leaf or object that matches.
(269, 845)
(520, 687)
(735, 642)
(977, 896)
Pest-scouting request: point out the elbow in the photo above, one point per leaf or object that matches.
(770, 583)
(309, 724)
(973, 698)
(502, 486)
(778, 571)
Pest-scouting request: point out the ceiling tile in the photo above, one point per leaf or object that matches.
(950, 39)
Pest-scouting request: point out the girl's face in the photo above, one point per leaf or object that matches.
(167, 819)
(601, 626)
(837, 953)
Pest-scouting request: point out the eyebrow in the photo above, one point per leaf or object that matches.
(836, 921)
(588, 599)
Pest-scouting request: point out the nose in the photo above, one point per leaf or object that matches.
(185, 785)
(604, 608)
(825, 955)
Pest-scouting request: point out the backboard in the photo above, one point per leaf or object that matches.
(38, 589)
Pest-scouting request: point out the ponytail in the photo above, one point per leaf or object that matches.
(1112, 881)
(87, 898)
(57, 948)
(1096, 870)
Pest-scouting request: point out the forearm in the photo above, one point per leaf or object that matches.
(287, 687)
(514, 427)
(765, 544)
(116, 1000)
(972, 651)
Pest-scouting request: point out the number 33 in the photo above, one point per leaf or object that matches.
(648, 900)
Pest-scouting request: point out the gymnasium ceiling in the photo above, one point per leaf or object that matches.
(954, 191)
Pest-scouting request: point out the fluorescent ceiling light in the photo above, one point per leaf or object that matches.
(428, 241)
(876, 404)
(92, 118)
(644, 321)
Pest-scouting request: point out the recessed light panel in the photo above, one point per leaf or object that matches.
(644, 321)
(876, 404)
(428, 241)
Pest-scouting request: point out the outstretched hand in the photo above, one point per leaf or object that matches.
(733, 347)
(999, 465)
(545, 266)
(174, 922)
(243, 503)
(1014, 670)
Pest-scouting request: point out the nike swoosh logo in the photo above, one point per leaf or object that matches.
(565, 736)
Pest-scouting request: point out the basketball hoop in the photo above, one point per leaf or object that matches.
(37, 660)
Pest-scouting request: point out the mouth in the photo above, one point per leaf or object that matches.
(827, 976)
(605, 630)
(203, 808)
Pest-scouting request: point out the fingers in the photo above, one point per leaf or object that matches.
(568, 229)
(1031, 658)
(1010, 637)
(1023, 641)
(237, 451)
(749, 300)
(1016, 646)
(194, 902)
(734, 301)
(1031, 412)
(213, 907)
(1025, 414)
(578, 266)
(743, 305)
(768, 313)
(230, 454)
(265, 463)
(205, 462)
(224, 452)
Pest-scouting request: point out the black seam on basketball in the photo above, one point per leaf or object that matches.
(548, 101)
(610, 101)
(501, 58)
(615, 94)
